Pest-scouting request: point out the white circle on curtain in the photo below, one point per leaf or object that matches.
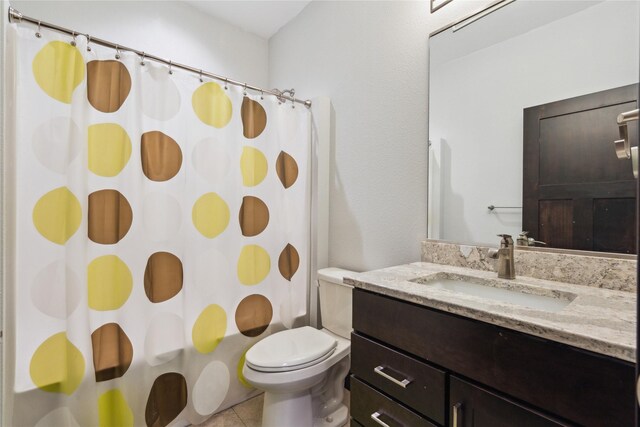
(161, 216)
(56, 143)
(287, 313)
(211, 388)
(164, 339)
(213, 272)
(211, 160)
(55, 290)
(58, 417)
(160, 95)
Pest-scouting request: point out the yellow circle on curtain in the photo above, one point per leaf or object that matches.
(211, 105)
(109, 149)
(253, 265)
(210, 215)
(109, 283)
(58, 69)
(209, 328)
(253, 165)
(113, 410)
(57, 366)
(57, 215)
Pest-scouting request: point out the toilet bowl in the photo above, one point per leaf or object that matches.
(302, 370)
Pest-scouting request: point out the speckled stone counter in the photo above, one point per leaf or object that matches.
(596, 319)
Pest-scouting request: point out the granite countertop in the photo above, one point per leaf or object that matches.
(598, 320)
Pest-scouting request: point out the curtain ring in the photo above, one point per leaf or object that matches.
(261, 94)
(73, 41)
(142, 60)
(201, 81)
(245, 90)
(170, 65)
(226, 80)
(117, 52)
(88, 43)
(38, 34)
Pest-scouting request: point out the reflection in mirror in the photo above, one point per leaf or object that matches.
(573, 66)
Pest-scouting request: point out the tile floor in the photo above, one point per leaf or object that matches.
(245, 414)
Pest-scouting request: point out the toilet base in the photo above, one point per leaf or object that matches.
(337, 418)
(318, 406)
(287, 409)
(294, 409)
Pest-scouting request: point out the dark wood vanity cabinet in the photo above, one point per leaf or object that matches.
(473, 406)
(417, 366)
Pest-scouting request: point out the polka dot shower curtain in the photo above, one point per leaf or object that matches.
(162, 228)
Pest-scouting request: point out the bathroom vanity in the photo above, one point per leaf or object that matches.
(515, 143)
(428, 353)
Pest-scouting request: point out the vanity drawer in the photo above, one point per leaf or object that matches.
(583, 387)
(385, 369)
(366, 402)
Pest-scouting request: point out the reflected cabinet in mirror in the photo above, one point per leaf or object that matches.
(523, 109)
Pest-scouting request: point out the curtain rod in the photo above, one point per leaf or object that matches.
(16, 16)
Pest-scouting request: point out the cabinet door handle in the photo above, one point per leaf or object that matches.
(457, 415)
(376, 417)
(402, 383)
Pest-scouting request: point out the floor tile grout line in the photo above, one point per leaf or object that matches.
(238, 415)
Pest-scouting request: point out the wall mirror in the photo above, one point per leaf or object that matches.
(523, 101)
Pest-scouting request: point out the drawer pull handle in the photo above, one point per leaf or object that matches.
(457, 414)
(376, 417)
(404, 383)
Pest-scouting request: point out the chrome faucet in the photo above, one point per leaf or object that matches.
(506, 264)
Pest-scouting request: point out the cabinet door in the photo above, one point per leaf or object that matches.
(472, 406)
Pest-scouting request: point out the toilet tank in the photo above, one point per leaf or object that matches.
(335, 301)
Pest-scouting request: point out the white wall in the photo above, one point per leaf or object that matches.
(370, 58)
(477, 102)
(169, 29)
(4, 7)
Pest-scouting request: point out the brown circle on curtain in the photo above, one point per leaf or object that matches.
(253, 315)
(161, 156)
(167, 398)
(288, 262)
(287, 169)
(162, 276)
(108, 85)
(254, 118)
(253, 217)
(112, 352)
(110, 216)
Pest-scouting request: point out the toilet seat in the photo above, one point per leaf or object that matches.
(291, 350)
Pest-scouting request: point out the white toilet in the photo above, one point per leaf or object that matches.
(302, 370)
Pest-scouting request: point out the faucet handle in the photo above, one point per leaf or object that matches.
(506, 241)
(523, 238)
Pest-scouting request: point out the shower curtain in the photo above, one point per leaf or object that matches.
(161, 228)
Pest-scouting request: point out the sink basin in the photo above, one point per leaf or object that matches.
(497, 290)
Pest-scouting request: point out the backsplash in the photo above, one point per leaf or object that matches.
(602, 272)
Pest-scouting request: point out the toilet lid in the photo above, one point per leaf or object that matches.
(291, 349)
